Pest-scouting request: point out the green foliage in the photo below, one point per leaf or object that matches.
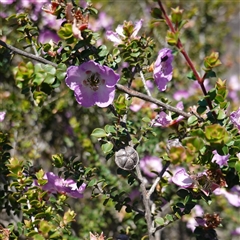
(65, 32)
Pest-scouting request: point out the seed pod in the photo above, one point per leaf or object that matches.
(127, 158)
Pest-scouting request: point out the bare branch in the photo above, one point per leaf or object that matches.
(151, 190)
(28, 55)
(151, 99)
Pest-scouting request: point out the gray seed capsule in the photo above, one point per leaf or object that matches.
(127, 158)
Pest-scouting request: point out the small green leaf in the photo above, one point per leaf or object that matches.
(107, 147)
(159, 221)
(156, 13)
(191, 76)
(237, 166)
(49, 69)
(61, 71)
(93, 10)
(210, 74)
(92, 182)
(57, 160)
(66, 33)
(217, 134)
(193, 120)
(221, 114)
(49, 79)
(146, 120)
(35, 235)
(39, 97)
(169, 218)
(99, 133)
(110, 129)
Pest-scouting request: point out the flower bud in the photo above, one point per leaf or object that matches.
(176, 15)
(212, 61)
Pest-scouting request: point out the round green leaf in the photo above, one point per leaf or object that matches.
(146, 120)
(159, 221)
(107, 147)
(99, 133)
(192, 120)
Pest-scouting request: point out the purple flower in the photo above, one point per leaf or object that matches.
(201, 221)
(197, 211)
(180, 94)
(165, 120)
(234, 88)
(56, 184)
(7, 1)
(208, 221)
(219, 159)
(51, 21)
(233, 196)
(118, 36)
(235, 118)
(182, 178)
(149, 164)
(92, 84)
(46, 35)
(202, 181)
(2, 116)
(137, 104)
(163, 70)
(103, 22)
(236, 232)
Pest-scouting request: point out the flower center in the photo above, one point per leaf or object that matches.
(93, 80)
(164, 59)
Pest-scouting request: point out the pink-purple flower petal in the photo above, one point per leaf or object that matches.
(2, 115)
(113, 37)
(138, 26)
(149, 164)
(182, 178)
(235, 118)
(92, 84)
(163, 70)
(69, 187)
(221, 160)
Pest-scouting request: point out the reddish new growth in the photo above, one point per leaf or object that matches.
(216, 176)
(51, 8)
(78, 19)
(211, 221)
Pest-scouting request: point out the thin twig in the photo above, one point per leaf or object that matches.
(145, 84)
(151, 190)
(151, 99)
(146, 204)
(28, 55)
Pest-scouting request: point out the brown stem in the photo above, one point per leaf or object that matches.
(151, 99)
(179, 45)
(154, 185)
(148, 215)
(28, 55)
